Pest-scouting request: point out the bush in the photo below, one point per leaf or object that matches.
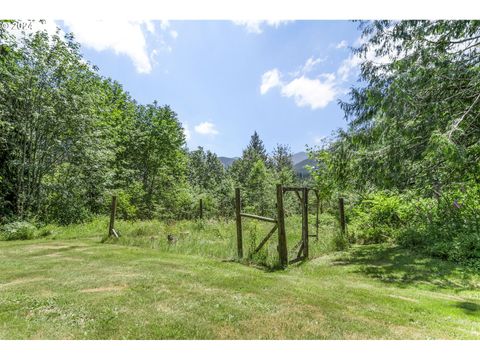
(46, 231)
(448, 227)
(377, 218)
(19, 230)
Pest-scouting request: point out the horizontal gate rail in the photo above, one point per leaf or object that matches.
(256, 217)
(292, 188)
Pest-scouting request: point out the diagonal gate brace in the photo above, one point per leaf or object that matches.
(266, 239)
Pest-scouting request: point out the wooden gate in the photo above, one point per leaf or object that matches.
(301, 248)
(279, 225)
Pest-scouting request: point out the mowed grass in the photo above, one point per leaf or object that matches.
(70, 285)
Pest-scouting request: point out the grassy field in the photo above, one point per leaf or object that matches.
(217, 238)
(70, 285)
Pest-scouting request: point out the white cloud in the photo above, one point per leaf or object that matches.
(319, 139)
(342, 44)
(206, 128)
(310, 88)
(256, 26)
(164, 24)
(122, 37)
(315, 93)
(270, 79)
(150, 26)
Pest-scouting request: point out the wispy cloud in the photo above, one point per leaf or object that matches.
(206, 128)
(311, 63)
(257, 26)
(342, 44)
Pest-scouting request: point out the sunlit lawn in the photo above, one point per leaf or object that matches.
(70, 285)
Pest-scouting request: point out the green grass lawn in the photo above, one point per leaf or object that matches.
(70, 285)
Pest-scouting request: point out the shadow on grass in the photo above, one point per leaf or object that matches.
(267, 268)
(394, 265)
(469, 307)
(54, 250)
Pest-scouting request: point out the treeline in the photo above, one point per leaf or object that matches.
(256, 172)
(70, 138)
(409, 160)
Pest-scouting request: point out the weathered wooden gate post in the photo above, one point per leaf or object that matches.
(341, 208)
(113, 212)
(282, 236)
(239, 223)
(305, 221)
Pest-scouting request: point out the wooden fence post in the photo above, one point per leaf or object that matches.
(317, 210)
(341, 208)
(201, 208)
(282, 236)
(305, 221)
(239, 223)
(113, 212)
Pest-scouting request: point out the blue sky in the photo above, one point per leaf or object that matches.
(227, 79)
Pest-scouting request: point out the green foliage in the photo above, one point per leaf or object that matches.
(259, 190)
(448, 227)
(19, 230)
(210, 182)
(415, 122)
(377, 218)
(257, 173)
(412, 135)
(69, 139)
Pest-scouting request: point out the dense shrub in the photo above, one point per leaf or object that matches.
(376, 218)
(447, 227)
(19, 230)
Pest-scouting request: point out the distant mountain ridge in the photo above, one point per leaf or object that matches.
(300, 167)
(299, 160)
(299, 157)
(227, 161)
